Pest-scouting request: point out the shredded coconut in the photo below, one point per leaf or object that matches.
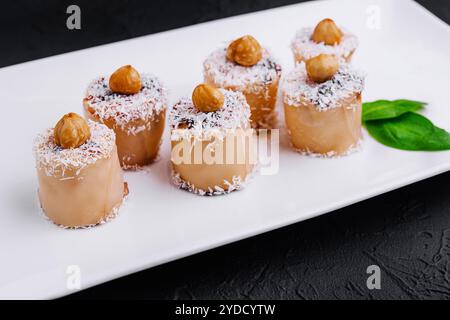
(236, 184)
(235, 114)
(297, 88)
(226, 73)
(55, 160)
(302, 45)
(331, 154)
(144, 105)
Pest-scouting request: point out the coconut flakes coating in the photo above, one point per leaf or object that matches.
(144, 105)
(226, 73)
(307, 48)
(55, 161)
(235, 114)
(298, 88)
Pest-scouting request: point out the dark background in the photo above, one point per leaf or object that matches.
(32, 29)
(405, 232)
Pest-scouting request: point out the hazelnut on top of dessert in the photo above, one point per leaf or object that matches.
(322, 105)
(71, 131)
(207, 98)
(244, 65)
(322, 68)
(326, 38)
(134, 106)
(211, 138)
(245, 51)
(80, 179)
(125, 80)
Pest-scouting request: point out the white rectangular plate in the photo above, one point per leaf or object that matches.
(406, 54)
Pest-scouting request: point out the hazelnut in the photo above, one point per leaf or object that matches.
(71, 131)
(207, 98)
(125, 80)
(245, 51)
(322, 68)
(327, 32)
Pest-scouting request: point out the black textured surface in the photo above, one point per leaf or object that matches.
(406, 232)
(35, 29)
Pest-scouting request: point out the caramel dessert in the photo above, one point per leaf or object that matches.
(247, 67)
(325, 38)
(322, 106)
(134, 106)
(80, 179)
(212, 142)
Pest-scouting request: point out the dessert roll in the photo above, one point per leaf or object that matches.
(80, 178)
(212, 141)
(134, 106)
(247, 67)
(325, 38)
(322, 105)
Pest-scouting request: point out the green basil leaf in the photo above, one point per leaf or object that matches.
(387, 109)
(410, 131)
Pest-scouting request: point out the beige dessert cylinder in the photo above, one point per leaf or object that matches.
(138, 141)
(332, 131)
(260, 97)
(207, 175)
(83, 198)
